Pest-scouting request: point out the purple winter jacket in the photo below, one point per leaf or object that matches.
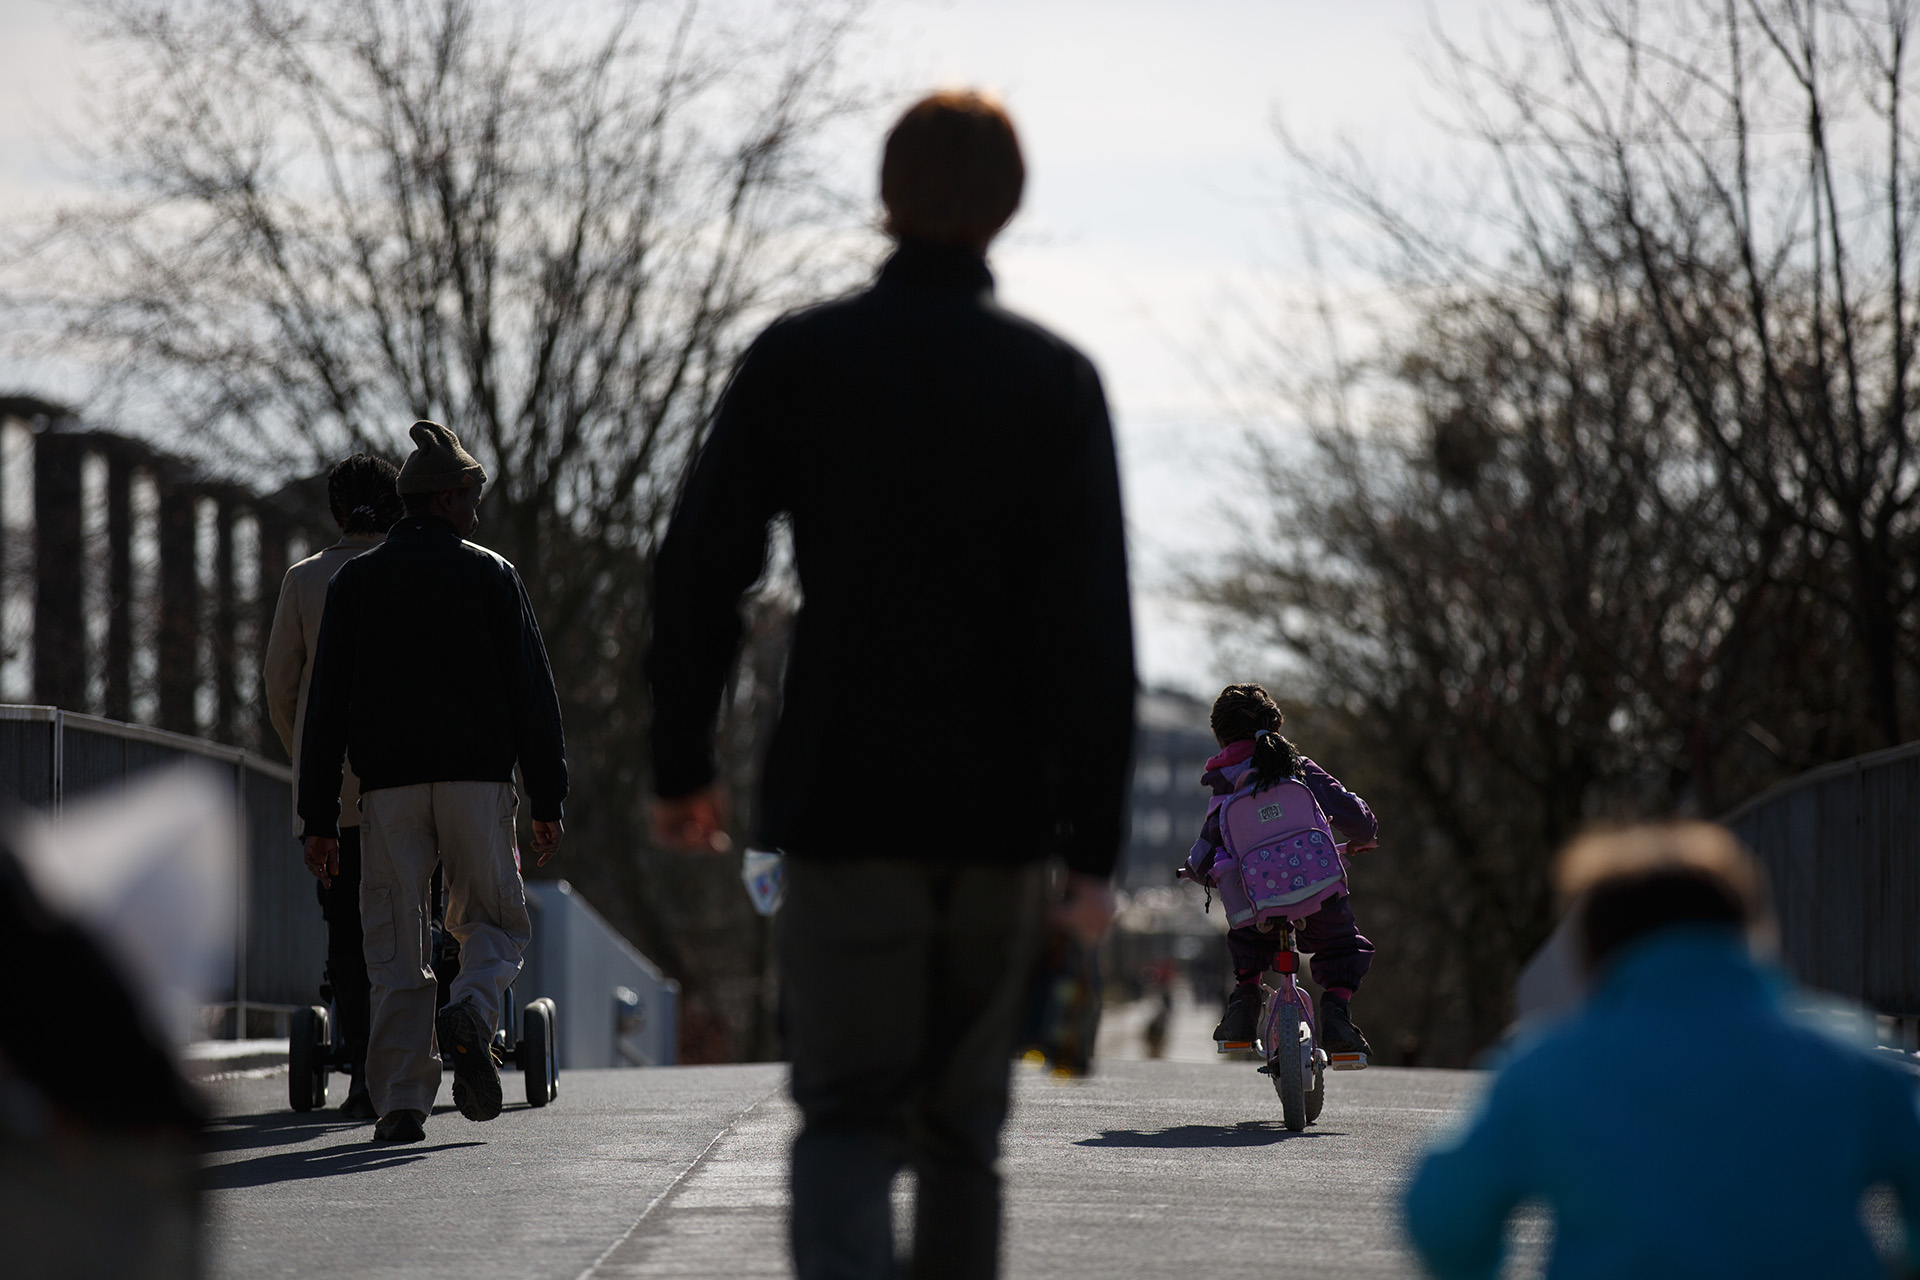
(1227, 773)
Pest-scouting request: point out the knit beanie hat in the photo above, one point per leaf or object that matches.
(438, 462)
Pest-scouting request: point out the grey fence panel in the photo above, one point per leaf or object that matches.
(1840, 899)
(282, 942)
(1841, 847)
(26, 762)
(91, 761)
(281, 954)
(1802, 820)
(1892, 822)
(583, 964)
(142, 756)
(286, 943)
(1903, 880)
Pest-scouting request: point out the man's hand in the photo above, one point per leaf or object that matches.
(546, 839)
(1087, 909)
(323, 858)
(695, 823)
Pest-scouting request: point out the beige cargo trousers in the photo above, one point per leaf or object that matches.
(466, 828)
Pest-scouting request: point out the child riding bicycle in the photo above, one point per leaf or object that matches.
(1246, 722)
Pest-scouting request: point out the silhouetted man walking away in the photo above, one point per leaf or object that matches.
(958, 704)
(430, 676)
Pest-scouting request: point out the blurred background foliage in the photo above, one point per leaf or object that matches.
(1614, 512)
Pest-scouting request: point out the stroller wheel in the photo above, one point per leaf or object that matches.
(309, 1036)
(538, 1053)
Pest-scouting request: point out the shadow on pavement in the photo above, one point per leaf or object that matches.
(275, 1129)
(285, 1128)
(1248, 1133)
(351, 1148)
(327, 1162)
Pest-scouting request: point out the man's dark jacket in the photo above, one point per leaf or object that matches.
(429, 668)
(960, 686)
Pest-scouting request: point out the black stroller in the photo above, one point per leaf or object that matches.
(528, 1038)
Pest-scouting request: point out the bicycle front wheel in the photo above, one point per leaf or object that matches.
(1283, 1062)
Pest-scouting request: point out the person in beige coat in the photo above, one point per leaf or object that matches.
(362, 496)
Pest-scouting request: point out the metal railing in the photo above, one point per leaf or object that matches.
(1841, 845)
(616, 1008)
(49, 757)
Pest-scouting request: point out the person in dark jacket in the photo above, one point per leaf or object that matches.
(958, 703)
(431, 678)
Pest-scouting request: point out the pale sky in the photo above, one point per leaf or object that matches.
(1155, 205)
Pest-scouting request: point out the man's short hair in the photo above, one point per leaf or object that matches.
(1632, 882)
(952, 172)
(361, 495)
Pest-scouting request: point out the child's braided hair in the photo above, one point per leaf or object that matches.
(1244, 711)
(362, 495)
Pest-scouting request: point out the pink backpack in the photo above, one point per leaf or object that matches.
(1278, 856)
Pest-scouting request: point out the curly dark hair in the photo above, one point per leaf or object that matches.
(1244, 711)
(362, 495)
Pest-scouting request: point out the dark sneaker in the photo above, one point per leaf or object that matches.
(359, 1103)
(1243, 1010)
(1346, 1048)
(400, 1126)
(476, 1080)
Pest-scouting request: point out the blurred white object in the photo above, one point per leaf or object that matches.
(152, 872)
(1554, 981)
(765, 874)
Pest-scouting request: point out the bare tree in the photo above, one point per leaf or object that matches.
(1498, 589)
(1620, 517)
(1746, 166)
(549, 227)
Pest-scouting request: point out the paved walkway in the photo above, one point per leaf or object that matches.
(1148, 1169)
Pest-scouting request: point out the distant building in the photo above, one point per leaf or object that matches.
(135, 586)
(1170, 753)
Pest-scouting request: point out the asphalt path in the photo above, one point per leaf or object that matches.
(1150, 1168)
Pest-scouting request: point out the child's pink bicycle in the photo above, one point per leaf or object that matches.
(1275, 863)
(1295, 1063)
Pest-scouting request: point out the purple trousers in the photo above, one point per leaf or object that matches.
(1341, 956)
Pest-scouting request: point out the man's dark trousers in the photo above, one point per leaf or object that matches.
(346, 951)
(902, 985)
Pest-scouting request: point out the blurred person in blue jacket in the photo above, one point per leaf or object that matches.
(1682, 1122)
